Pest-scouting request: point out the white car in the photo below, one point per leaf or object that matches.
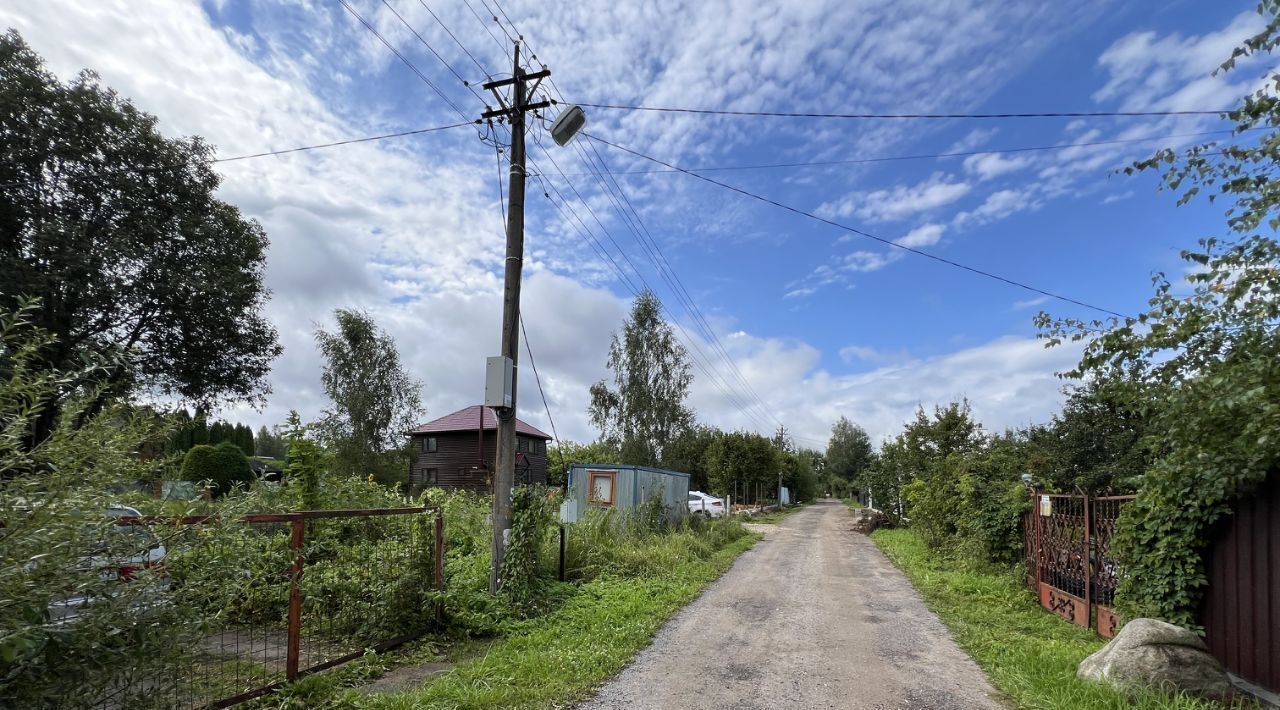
(148, 553)
(702, 504)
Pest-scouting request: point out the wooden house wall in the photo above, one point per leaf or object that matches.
(457, 455)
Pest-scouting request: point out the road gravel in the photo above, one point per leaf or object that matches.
(814, 616)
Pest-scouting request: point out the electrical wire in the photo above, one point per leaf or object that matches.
(928, 156)
(651, 249)
(431, 49)
(538, 379)
(859, 232)
(788, 114)
(404, 59)
(455, 39)
(264, 154)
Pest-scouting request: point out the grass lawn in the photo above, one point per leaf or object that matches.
(1029, 654)
(555, 660)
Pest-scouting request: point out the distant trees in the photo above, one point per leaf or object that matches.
(374, 401)
(567, 453)
(119, 232)
(645, 409)
(849, 453)
(744, 464)
(195, 430)
(270, 444)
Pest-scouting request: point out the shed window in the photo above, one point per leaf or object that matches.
(429, 445)
(601, 488)
(522, 444)
(433, 476)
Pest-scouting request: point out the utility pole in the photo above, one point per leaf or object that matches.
(505, 465)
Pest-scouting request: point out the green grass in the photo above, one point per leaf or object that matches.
(1029, 654)
(557, 659)
(852, 503)
(775, 517)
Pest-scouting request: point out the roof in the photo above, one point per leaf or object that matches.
(468, 418)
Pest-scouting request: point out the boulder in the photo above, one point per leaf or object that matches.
(1153, 653)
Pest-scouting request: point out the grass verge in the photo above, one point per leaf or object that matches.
(1029, 655)
(852, 503)
(559, 658)
(775, 517)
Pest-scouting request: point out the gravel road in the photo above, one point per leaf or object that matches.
(814, 616)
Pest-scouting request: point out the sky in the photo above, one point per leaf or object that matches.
(794, 321)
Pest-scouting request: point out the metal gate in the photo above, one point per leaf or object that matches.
(1067, 540)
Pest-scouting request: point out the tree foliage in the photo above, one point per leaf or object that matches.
(744, 464)
(374, 401)
(849, 453)
(645, 409)
(1204, 367)
(686, 453)
(223, 466)
(118, 232)
(567, 453)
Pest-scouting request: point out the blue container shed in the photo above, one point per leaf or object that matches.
(626, 488)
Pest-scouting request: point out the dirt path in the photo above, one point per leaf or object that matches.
(813, 617)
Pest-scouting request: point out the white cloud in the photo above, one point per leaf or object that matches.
(992, 165)
(997, 206)
(1010, 382)
(1030, 303)
(1148, 71)
(923, 236)
(898, 202)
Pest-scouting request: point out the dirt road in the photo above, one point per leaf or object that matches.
(813, 617)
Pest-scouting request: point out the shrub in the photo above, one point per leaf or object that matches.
(224, 466)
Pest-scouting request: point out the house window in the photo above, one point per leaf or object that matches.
(429, 445)
(600, 490)
(522, 444)
(432, 477)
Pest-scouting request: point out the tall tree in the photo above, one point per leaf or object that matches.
(118, 232)
(374, 401)
(848, 454)
(645, 409)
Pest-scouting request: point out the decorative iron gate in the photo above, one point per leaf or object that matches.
(1067, 540)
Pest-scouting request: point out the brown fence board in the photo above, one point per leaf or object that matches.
(1241, 613)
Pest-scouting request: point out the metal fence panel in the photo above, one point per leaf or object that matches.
(280, 596)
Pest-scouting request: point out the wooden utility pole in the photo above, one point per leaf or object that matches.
(505, 465)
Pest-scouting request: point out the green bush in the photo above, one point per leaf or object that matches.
(224, 466)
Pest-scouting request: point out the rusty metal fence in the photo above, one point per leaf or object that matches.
(1067, 542)
(284, 595)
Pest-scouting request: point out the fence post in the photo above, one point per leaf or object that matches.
(1088, 567)
(295, 601)
(561, 574)
(439, 559)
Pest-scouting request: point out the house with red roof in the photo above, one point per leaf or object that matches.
(458, 451)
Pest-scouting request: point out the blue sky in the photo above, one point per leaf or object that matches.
(819, 322)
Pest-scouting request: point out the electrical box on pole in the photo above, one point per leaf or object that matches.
(498, 376)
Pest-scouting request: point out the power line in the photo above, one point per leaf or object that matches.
(265, 154)
(927, 156)
(787, 114)
(404, 59)
(431, 49)
(847, 228)
(651, 249)
(455, 39)
(538, 379)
